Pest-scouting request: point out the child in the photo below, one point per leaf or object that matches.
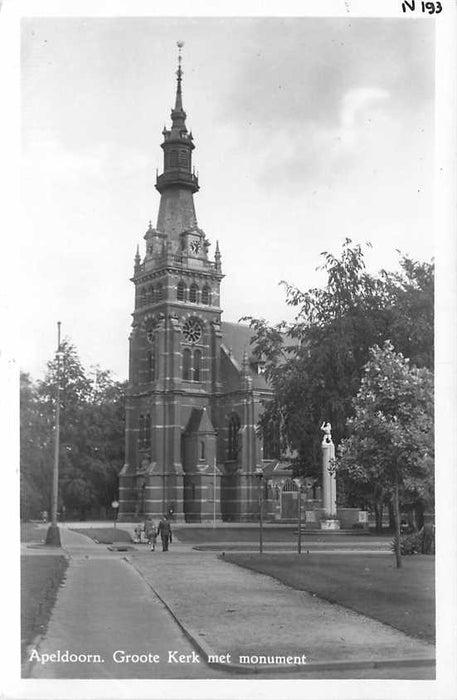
(150, 532)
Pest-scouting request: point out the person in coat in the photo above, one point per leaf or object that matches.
(150, 532)
(164, 530)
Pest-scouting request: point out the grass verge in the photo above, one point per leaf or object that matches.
(369, 584)
(105, 535)
(41, 576)
(30, 532)
(207, 535)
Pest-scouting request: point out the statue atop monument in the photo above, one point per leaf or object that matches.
(327, 430)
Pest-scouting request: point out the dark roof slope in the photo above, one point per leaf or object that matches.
(236, 339)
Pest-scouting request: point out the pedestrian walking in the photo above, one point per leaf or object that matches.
(150, 532)
(164, 530)
(139, 529)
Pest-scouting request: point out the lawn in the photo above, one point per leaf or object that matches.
(104, 535)
(208, 535)
(41, 576)
(367, 583)
(30, 532)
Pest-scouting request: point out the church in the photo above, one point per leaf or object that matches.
(196, 388)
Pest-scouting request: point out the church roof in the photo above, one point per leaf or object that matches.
(236, 340)
(199, 422)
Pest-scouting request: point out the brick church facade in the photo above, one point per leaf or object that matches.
(195, 388)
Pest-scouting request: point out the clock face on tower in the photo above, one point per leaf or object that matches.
(195, 246)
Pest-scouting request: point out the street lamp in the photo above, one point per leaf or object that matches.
(259, 475)
(299, 483)
(114, 506)
(53, 534)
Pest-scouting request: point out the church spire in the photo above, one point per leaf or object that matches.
(178, 115)
(178, 179)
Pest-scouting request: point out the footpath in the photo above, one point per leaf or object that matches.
(254, 621)
(194, 603)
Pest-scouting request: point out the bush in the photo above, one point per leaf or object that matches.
(409, 543)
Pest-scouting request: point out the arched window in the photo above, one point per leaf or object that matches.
(206, 295)
(233, 437)
(151, 294)
(144, 432)
(173, 159)
(197, 365)
(159, 292)
(181, 291)
(202, 449)
(186, 361)
(151, 366)
(147, 430)
(271, 441)
(141, 431)
(193, 293)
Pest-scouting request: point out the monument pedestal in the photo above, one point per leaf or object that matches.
(331, 521)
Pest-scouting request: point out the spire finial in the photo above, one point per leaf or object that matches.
(179, 44)
(179, 73)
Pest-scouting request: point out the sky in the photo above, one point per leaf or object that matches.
(307, 131)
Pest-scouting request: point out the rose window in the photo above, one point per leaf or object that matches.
(192, 330)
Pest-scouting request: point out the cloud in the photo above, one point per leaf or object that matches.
(54, 161)
(357, 107)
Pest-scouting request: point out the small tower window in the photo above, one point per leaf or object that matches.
(183, 158)
(197, 365)
(193, 293)
(233, 437)
(202, 449)
(186, 361)
(206, 295)
(159, 292)
(173, 159)
(151, 366)
(151, 294)
(147, 430)
(144, 433)
(181, 291)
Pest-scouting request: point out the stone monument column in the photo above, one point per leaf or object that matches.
(328, 478)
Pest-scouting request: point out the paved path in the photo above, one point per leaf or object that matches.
(249, 614)
(105, 606)
(115, 601)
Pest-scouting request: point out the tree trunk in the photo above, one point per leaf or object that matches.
(396, 507)
(391, 516)
(378, 516)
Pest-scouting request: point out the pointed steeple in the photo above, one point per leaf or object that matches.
(245, 373)
(178, 179)
(178, 115)
(137, 257)
(217, 256)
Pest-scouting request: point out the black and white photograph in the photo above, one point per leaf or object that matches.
(229, 302)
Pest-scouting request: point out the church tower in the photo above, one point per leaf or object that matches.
(175, 349)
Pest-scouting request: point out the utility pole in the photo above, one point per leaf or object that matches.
(53, 534)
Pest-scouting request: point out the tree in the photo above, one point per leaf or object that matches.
(390, 446)
(315, 364)
(35, 451)
(91, 436)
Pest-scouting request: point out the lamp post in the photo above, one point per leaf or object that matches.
(53, 535)
(114, 506)
(214, 492)
(259, 475)
(298, 483)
